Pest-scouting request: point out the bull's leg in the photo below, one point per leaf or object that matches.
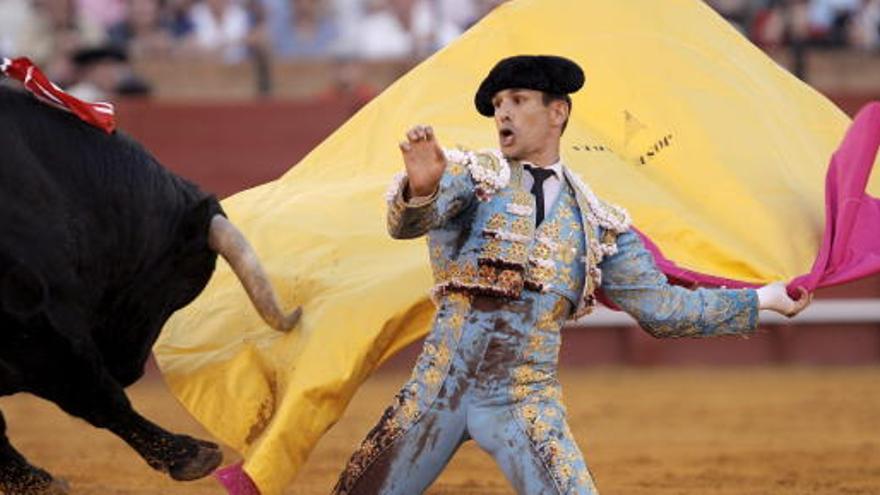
(182, 457)
(84, 388)
(19, 477)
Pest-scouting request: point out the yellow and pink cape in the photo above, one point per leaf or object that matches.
(719, 155)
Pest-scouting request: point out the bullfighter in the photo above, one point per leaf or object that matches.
(519, 245)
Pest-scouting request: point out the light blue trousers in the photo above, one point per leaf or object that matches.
(487, 372)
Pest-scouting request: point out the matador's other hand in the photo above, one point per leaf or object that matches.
(775, 297)
(424, 160)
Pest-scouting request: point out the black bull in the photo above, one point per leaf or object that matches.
(99, 245)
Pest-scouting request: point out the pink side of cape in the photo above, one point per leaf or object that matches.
(236, 481)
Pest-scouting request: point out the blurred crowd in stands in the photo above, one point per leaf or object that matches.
(69, 36)
(94, 40)
(815, 23)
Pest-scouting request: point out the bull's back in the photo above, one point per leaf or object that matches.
(113, 235)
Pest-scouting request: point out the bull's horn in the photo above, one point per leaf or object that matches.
(228, 242)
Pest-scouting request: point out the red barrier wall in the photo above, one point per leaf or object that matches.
(229, 147)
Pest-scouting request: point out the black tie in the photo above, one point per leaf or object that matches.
(540, 175)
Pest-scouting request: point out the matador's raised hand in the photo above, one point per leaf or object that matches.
(424, 160)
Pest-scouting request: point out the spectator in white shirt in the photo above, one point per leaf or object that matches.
(403, 29)
(864, 28)
(220, 28)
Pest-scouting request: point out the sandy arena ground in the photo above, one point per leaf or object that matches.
(745, 431)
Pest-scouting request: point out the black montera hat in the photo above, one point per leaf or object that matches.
(547, 73)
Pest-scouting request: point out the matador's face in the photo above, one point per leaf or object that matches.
(527, 127)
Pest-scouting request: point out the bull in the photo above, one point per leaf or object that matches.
(99, 245)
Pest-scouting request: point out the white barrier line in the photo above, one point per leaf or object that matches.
(822, 311)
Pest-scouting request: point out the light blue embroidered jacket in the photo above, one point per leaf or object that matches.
(483, 240)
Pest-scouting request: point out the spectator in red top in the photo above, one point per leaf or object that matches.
(349, 86)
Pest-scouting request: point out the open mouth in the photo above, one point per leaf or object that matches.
(506, 136)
